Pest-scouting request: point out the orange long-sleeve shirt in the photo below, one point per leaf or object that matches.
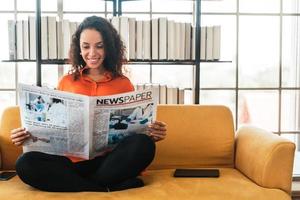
(86, 86)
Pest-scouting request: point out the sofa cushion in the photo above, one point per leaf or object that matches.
(160, 185)
(209, 131)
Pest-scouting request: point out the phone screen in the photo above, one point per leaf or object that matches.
(197, 173)
(4, 176)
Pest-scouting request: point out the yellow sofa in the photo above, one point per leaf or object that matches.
(254, 164)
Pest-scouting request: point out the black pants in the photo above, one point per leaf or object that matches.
(58, 173)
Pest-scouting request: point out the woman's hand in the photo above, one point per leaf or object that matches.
(19, 135)
(157, 130)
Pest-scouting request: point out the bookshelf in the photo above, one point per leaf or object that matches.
(117, 11)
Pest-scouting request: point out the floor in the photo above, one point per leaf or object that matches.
(296, 190)
(296, 184)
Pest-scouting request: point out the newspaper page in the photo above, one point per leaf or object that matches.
(57, 120)
(118, 116)
(69, 124)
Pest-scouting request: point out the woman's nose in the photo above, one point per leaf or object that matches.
(92, 51)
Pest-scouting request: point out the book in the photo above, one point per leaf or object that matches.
(124, 33)
(68, 124)
(181, 96)
(139, 39)
(177, 41)
(162, 23)
(162, 94)
(12, 40)
(154, 36)
(66, 37)
(116, 23)
(25, 39)
(193, 50)
(188, 36)
(209, 42)
(203, 43)
(44, 37)
(132, 38)
(146, 40)
(32, 38)
(182, 41)
(140, 86)
(19, 29)
(171, 40)
(216, 42)
(60, 40)
(172, 95)
(52, 38)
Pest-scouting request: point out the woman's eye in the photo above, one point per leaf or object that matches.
(85, 47)
(100, 46)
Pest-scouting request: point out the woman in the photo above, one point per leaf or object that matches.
(96, 56)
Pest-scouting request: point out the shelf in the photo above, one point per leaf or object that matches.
(173, 62)
(56, 61)
(131, 62)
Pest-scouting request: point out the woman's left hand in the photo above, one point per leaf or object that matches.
(157, 130)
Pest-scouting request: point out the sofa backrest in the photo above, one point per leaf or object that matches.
(9, 152)
(197, 136)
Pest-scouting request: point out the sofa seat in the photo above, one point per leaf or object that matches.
(160, 184)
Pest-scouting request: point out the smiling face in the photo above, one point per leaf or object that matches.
(92, 48)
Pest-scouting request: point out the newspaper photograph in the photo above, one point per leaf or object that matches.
(63, 123)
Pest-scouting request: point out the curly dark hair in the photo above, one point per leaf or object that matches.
(113, 46)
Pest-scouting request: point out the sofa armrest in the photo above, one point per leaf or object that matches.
(265, 158)
(10, 119)
(0, 158)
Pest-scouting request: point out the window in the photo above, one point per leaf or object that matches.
(259, 79)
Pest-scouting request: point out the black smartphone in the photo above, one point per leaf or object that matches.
(206, 173)
(4, 176)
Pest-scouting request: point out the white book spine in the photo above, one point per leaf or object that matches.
(187, 54)
(132, 38)
(32, 38)
(163, 94)
(203, 43)
(146, 40)
(12, 39)
(155, 88)
(172, 95)
(60, 43)
(154, 30)
(140, 86)
(162, 38)
(124, 33)
(52, 39)
(139, 39)
(182, 41)
(20, 54)
(25, 39)
(44, 37)
(177, 41)
(66, 38)
(171, 40)
(216, 42)
(193, 43)
(115, 22)
(181, 96)
(209, 43)
(73, 27)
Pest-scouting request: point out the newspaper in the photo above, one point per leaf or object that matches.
(69, 124)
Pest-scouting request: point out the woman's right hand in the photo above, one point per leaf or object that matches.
(19, 135)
